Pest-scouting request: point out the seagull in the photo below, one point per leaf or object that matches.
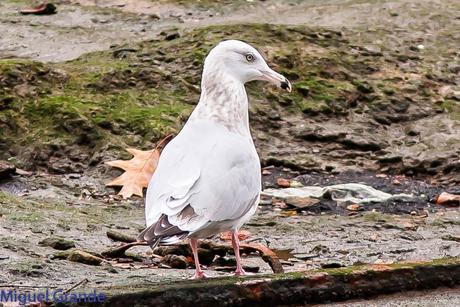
(208, 178)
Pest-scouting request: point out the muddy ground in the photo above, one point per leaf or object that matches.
(376, 91)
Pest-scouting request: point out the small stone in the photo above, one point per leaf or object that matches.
(265, 202)
(301, 202)
(266, 172)
(283, 183)
(280, 204)
(171, 36)
(57, 243)
(354, 207)
(409, 226)
(331, 265)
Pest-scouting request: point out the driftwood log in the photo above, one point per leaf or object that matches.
(297, 288)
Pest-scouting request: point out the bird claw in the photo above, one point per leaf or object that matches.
(241, 272)
(200, 275)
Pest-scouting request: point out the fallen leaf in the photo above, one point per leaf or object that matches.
(138, 170)
(448, 199)
(284, 254)
(242, 235)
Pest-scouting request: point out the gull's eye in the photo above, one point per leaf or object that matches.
(249, 57)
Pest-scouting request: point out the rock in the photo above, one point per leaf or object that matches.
(354, 207)
(296, 184)
(331, 265)
(283, 183)
(301, 202)
(224, 261)
(171, 36)
(6, 169)
(448, 199)
(57, 243)
(320, 249)
(360, 142)
(266, 172)
(62, 255)
(84, 257)
(175, 261)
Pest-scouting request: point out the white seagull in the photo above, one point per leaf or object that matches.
(208, 178)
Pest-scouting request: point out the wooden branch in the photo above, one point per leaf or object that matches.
(118, 236)
(119, 251)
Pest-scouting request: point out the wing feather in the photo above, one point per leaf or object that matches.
(208, 172)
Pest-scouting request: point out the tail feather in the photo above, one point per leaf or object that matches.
(162, 232)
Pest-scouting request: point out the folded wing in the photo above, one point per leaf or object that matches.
(206, 176)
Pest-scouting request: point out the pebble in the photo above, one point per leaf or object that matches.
(57, 243)
(301, 202)
(354, 207)
(296, 184)
(283, 183)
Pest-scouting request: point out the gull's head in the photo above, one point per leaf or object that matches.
(244, 63)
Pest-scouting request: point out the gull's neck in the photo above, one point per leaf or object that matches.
(223, 100)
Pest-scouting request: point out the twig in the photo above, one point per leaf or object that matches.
(84, 281)
(118, 236)
(120, 250)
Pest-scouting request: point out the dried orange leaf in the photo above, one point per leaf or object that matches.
(138, 170)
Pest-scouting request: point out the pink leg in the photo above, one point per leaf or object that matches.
(236, 248)
(198, 271)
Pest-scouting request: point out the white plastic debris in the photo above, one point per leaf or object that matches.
(352, 192)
